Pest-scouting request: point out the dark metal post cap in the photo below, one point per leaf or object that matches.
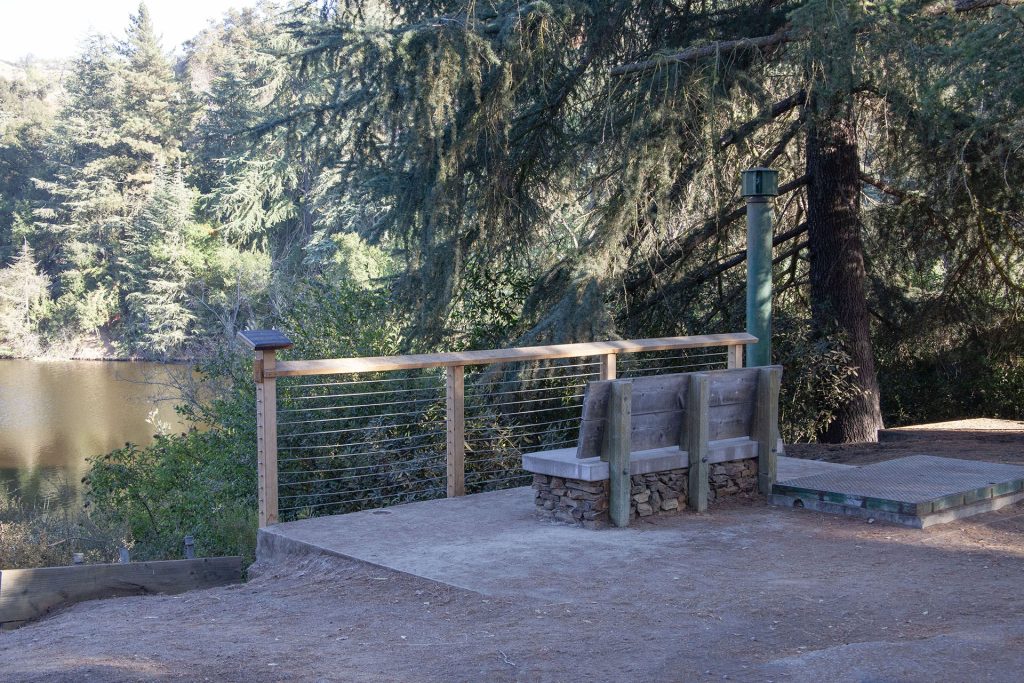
(265, 340)
(760, 182)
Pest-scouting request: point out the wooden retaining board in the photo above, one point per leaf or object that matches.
(659, 405)
(31, 593)
(914, 486)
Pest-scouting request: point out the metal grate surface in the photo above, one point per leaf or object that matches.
(913, 479)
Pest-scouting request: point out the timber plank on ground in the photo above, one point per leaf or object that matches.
(27, 594)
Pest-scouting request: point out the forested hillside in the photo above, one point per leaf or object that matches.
(380, 176)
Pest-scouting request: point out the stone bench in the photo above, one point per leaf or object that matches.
(659, 444)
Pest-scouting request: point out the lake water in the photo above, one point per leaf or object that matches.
(56, 414)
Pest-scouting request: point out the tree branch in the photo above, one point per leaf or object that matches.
(711, 271)
(736, 135)
(968, 5)
(694, 53)
(696, 238)
(883, 186)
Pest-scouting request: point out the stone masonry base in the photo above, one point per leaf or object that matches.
(585, 503)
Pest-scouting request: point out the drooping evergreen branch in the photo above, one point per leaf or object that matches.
(696, 238)
(883, 186)
(703, 51)
(969, 5)
(710, 271)
(737, 135)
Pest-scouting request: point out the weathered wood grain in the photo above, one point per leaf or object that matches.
(668, 392)
(608, 366)
(766, 427)
(455, 426)
(266, 439)
(696, 431)
(616, 450)
(659, 407)
(522, 354)
(730, 420)
(31, 593)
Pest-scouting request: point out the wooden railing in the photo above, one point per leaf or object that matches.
(322, 399)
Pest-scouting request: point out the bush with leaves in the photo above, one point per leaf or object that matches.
(203, 483)
(817, 379)
(35, 534)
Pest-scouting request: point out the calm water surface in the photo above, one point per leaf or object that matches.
(55, 414)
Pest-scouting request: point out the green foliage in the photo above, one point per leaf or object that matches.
(201, 483)
(26, 115)
(157, 269)
(24, 299)
(115, 130)
(817, 379)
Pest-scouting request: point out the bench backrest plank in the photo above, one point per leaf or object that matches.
(659, 408)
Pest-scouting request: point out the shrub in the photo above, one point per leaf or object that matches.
(34, 535)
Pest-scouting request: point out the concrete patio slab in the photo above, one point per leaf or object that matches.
(916, 491)
(795, 468)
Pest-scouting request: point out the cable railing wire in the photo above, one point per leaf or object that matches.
(509, 408)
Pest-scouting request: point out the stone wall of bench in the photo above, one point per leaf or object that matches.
(585, 503)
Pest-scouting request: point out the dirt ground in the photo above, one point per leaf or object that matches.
(767, 594)
(978, 439)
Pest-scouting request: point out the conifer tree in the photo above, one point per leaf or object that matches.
(157, 270)
(24, 292)
(147, 117)
(117, 127)
(600, 143)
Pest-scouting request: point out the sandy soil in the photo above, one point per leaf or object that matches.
(796, 596)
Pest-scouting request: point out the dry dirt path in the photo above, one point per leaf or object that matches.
(766, 594)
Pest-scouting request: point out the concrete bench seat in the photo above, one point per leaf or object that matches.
(562, 462)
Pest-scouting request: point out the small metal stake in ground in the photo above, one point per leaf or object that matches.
(759, 186)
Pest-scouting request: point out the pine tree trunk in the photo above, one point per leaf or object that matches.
(837, 266)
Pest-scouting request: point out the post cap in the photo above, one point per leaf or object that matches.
(760, 182)
(265, 340)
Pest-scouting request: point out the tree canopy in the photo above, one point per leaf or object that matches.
(550, 171)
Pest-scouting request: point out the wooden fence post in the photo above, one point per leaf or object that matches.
(608, 366)
(455, 404)
(734, 359)
(766, 423)
(266, 436)
(697, 399)
(616, 449)
(265, 343)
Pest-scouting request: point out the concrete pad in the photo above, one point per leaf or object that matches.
(795, 468)
(494, 543)
(916, 491)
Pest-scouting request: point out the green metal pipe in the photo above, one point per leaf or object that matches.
(759, 186)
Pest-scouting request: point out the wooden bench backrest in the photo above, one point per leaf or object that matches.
(659, 409)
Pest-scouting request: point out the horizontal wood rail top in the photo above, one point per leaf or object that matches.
(330, 366)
